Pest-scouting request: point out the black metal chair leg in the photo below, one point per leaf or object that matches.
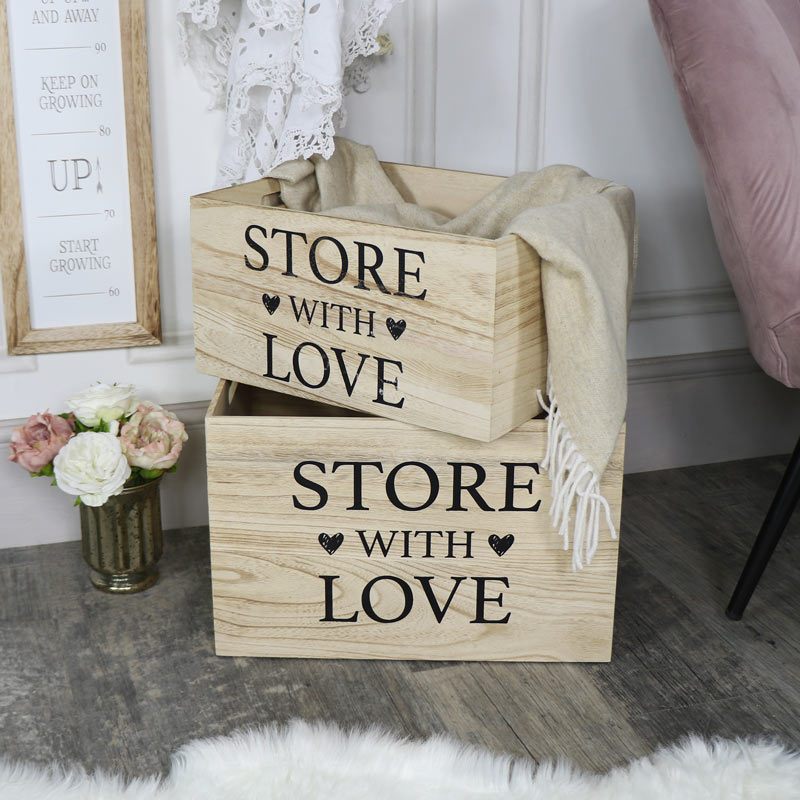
(783, 504)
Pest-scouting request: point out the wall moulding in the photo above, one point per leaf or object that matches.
(692, 365)
(683, 303)
(532, 84)
(420, 100)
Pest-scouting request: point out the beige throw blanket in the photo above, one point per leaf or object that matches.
(584, 231)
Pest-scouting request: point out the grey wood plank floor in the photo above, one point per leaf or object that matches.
(119, 683)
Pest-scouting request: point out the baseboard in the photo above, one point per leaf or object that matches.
(706, 407)
(690, 409)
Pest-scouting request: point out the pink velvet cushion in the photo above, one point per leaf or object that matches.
(735, 64)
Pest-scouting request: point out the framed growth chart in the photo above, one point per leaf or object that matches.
(78, 246)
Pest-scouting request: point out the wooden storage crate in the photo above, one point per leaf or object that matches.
(298, 570)
(447, 333)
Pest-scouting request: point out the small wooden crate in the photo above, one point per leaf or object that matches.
(447, 333)
(298, 569)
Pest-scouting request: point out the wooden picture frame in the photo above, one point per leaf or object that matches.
(22, 338)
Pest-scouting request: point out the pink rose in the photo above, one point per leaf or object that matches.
(152, 438)
(35, 444)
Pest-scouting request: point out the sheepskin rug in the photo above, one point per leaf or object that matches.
(303, 761)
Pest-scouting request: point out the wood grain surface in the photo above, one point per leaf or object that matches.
(269, 562)
(467, 358)
(146, 330)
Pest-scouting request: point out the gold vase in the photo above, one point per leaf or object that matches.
(122, 539)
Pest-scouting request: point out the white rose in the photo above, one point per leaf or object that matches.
(103, 402)
(92, 466)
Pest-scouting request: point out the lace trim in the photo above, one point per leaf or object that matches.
(207, 45)
(204, 13)
(363, 39)
(304, 144)
(278, 77)
(356, 77)
(278, 13)
(258, 96)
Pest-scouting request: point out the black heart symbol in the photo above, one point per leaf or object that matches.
(270, 303)
(501, 546)
(331, 543)
(396, 327)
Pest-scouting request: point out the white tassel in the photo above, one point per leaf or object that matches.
(572, 481)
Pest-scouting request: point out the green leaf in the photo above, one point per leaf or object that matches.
(45, 472)
(77, 502)
(173, 468)
(150, 474)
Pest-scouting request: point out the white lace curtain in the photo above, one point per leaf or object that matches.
(280, 69)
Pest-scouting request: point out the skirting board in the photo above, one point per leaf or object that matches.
(682, 410)
(706, 407)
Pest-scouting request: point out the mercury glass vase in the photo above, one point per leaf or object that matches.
(122, 539)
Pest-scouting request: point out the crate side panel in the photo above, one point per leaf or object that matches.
(520, 344)
(269, 562)
(359, 348)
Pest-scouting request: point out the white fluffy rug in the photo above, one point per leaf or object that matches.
(312, 761)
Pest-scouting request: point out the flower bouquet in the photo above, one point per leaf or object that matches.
(107, 441)
(109, 450)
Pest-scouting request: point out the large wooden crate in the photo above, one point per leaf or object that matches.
(447, 333)
(298, 568)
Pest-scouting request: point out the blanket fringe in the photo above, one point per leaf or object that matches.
(572, 482)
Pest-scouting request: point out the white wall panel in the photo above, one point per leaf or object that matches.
(681, 335)
(612, 109)
(421, 69)
(378, 116)
(534, 27)
(186, 140)
(476, 85)
(710, 407)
